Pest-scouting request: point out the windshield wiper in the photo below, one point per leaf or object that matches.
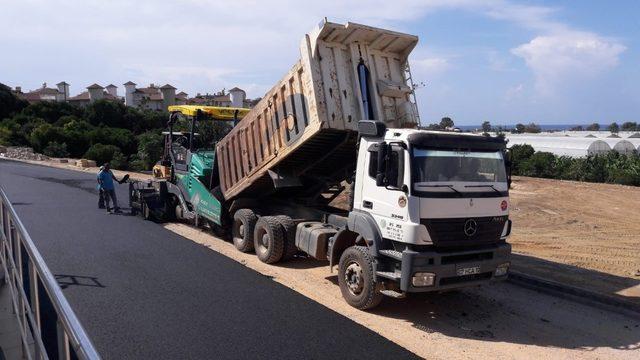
(488, 185)
(447, 186)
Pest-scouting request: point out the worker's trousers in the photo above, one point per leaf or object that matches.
(110, 195)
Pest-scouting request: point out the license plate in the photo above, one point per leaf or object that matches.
(468, 271)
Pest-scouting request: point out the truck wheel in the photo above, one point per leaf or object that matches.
(356, 278)
(268, 239)
(244, 222)
(289, 229)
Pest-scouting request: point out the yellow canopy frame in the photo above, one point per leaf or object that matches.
(216, 112)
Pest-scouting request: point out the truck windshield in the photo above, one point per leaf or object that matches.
(459, 171)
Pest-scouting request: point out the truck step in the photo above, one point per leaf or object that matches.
(389, 275)
(392, 254)
(393, 294)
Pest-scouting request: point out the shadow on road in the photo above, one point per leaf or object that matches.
(76, 280)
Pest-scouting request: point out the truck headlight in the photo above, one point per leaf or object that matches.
(423, 279)
(502, 269)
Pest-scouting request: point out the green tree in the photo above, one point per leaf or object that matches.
(101, 153)
(122, 138)
(140, 121)
(52, 111)
(519, 129)
(629, 126)
(150, 149)
(211, 132)
(44, 134)
(77, 134)
(11, 133)
(446, 122)
(540, 164)
(532, 128)
(486, 126)
(593, 127)
(614, 128)
(56, 149)
(106, 113)
(9, 102)
(519, 154)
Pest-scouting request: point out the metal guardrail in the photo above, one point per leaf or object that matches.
(49, 328)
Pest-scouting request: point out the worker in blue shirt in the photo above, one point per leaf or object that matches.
(105, 181)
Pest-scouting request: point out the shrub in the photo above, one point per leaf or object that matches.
(55, 149)
(140, 121)
(519, 155)
(106, 113)
(52, 111)
(9, 102)
(101, 153)
(44, 134)
(122, 138)
(150, 148)
(540, 164)
(119, 161)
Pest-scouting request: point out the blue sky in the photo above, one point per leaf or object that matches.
(505, 61)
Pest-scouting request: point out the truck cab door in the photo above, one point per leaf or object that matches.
(387, 204)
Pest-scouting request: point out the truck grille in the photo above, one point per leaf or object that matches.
(451, 232)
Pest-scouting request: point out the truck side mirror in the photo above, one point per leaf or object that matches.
(382, 164)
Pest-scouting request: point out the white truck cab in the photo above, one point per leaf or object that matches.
(431, 207)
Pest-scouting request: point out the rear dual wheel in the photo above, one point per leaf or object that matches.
(244, 222)
(268, 239)
(289, 228)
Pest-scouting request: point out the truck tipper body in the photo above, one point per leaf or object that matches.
(427, 210)
(305, 127)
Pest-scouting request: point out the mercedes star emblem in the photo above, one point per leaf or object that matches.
(470, 227)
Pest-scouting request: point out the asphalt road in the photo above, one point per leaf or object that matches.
(142, 292)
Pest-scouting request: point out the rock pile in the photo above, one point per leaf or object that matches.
(23, 153)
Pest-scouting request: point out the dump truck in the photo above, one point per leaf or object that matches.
(427, 210)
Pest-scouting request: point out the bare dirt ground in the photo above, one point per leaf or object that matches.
(585, 226)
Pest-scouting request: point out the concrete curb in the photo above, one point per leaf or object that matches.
(573, 293)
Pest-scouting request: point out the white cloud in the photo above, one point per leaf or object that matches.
(431, 66)
(514, 92)
(568, 56)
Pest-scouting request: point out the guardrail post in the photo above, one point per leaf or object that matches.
(35, 302)
(63, 343)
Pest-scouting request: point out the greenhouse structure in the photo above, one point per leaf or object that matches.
(563, 146)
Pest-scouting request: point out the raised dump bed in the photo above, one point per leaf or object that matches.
(302, 134)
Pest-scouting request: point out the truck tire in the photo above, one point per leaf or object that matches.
(268, 238)
(289, 229)
(356, 278)
(244, 222)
